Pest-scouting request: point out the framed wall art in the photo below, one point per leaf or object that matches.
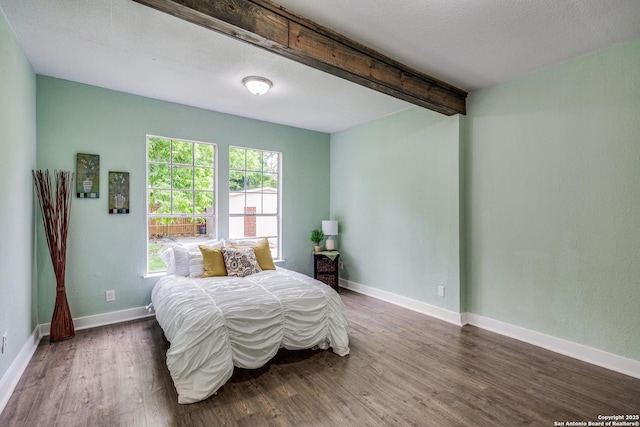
(119, 192)
(88, 176)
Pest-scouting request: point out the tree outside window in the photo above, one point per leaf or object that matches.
(180, 194)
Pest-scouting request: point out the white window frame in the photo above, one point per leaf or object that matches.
(211, 234)
(278, 215)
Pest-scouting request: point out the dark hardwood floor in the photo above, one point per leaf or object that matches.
(405, 369)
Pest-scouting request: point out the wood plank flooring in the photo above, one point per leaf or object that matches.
(405, 369)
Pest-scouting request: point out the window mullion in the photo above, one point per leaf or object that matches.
(171, 178)
(193, 178)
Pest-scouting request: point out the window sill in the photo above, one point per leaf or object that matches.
(152, 275)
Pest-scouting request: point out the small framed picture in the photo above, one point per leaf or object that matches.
(119, 192)
(87, 176)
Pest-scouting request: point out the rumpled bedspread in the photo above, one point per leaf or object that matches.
(216, 323)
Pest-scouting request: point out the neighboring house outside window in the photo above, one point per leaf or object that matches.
(181, 188)
(254, 195)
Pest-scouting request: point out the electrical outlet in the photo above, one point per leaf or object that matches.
(110, 296)
(441, 291)
(5, 342)
(341, 265)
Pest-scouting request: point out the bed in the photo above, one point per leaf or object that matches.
(216, 323)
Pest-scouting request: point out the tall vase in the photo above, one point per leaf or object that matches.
(61, 322)
(55, 204)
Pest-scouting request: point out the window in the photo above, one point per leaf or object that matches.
(254, 195)
(180, 194)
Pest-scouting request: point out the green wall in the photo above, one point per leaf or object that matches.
(18, 147)
(108, 251)
(526, 209)
(553, 194)
(395, 192)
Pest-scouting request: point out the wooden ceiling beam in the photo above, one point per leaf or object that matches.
(274, 28)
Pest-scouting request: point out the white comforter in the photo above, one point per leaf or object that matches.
(217, 323)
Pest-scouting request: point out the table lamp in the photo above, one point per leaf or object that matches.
(330, 229)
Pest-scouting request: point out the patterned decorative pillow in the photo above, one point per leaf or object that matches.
(240, 262)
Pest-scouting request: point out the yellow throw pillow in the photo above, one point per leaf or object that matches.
(263, 253)
(213, 262)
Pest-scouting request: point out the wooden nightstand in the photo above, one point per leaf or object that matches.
(325, 268)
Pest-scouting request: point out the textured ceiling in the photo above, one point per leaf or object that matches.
(122, 45)
(473, 44)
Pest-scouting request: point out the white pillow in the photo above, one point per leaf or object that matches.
(181, 254)
(196, 264)
(168, 257)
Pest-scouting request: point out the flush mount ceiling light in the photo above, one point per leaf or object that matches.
(257, 85)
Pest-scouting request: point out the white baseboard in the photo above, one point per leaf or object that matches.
(103, 319)
(10, 379)
(411, 304)
(558, 345)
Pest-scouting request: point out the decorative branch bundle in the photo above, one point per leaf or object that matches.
(55, 204)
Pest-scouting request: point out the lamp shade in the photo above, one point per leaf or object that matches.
(330, 228)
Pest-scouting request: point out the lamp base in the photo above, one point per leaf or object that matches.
(329, 245)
